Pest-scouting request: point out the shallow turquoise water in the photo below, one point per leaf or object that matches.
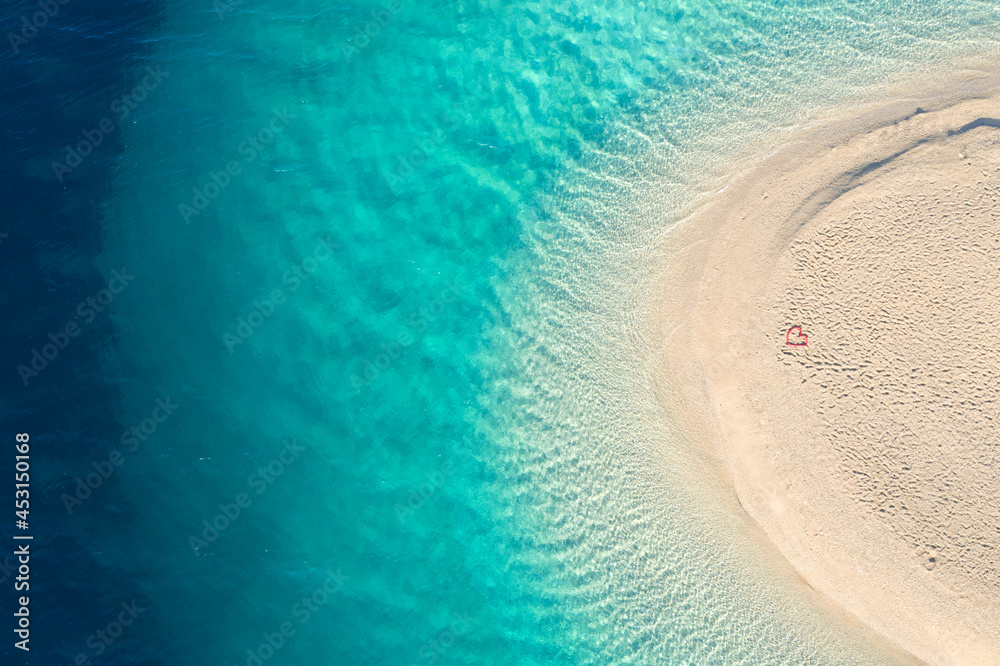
(486, 470)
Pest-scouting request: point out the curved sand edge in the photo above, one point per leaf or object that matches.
(831, 448)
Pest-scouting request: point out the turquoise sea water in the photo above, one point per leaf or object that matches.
(416, 240)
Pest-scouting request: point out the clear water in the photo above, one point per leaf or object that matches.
(486, 468)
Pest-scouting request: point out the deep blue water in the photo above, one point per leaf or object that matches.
(53, 86)
(368, 371)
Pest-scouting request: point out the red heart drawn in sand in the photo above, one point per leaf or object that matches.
(800, 339)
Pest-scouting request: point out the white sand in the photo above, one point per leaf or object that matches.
(871, 456)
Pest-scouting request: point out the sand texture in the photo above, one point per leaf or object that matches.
(869, 456)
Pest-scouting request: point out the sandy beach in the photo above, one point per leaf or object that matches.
(831, 336)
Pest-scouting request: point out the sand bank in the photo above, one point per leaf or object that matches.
(869, 455)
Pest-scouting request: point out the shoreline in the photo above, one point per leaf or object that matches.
(745, 267)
